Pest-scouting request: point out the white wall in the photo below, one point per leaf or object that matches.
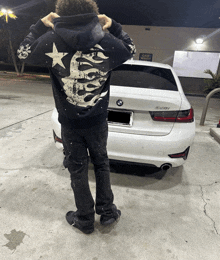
(162, 42)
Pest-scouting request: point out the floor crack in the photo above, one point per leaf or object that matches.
(205, 211)
(26, 119)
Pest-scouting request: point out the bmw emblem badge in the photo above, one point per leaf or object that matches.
(119, 102)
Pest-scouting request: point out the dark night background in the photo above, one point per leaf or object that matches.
(169, 13)
(180, 13)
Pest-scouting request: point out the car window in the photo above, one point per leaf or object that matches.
(143, 77)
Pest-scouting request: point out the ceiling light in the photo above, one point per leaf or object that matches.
(200, 39)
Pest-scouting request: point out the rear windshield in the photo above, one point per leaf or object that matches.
(143, 77)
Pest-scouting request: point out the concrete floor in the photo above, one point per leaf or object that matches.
(177, 217)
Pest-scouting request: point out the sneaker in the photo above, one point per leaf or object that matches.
(107, 219)
(73, 220)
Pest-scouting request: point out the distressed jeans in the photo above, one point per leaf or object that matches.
(77, 143)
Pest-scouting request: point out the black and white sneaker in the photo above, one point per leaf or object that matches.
(83, 225)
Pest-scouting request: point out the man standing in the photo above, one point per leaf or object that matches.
(81, 54)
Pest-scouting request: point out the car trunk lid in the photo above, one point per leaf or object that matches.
(130, 107)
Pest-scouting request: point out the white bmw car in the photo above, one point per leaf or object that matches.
(150, 119)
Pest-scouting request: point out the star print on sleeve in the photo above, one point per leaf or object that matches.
(56, 56)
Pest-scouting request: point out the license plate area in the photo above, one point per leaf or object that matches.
(124, 118)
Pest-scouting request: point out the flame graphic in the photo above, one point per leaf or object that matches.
(84, 85)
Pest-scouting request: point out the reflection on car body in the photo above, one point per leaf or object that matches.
(150, 119)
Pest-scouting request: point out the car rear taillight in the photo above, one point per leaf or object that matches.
(182, 116)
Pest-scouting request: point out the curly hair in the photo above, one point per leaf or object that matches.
(74, 7)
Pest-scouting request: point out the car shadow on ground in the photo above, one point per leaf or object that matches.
(141, 176)
(137, 170)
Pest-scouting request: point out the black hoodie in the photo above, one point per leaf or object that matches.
(80, 56)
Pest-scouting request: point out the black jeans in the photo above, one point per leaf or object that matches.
(77, 143)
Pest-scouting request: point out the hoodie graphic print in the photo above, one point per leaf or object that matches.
(80, 57)
(82, 86)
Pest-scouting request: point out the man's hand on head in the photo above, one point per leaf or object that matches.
(48, 20)
(103, 19)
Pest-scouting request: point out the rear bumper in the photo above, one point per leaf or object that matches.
(152, 150)
(144, 149)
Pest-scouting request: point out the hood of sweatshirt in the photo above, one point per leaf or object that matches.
(81, 32)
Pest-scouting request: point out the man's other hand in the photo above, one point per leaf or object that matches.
(105, 21)
(48, 20)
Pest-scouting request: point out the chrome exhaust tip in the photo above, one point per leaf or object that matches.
(165, 166)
